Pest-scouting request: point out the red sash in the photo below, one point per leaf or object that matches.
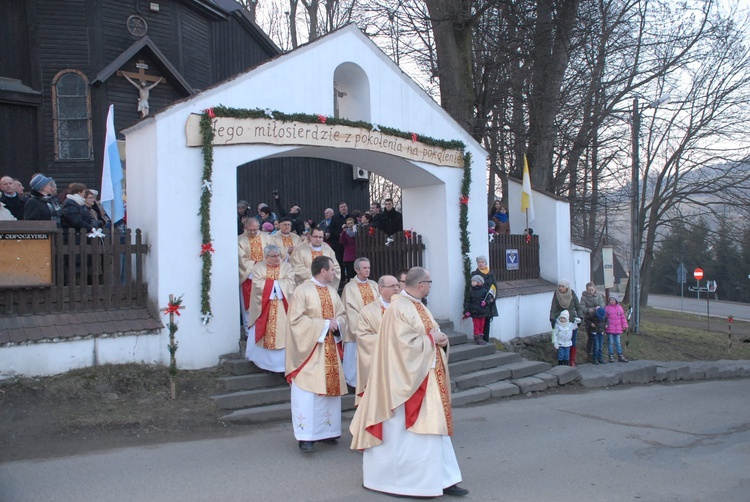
(262, 322)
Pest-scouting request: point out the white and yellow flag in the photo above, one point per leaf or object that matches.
(527, 204)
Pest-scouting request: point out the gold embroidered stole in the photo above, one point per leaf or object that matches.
(256, 248)
(331, 352)
(366, 291)
(315, 254)
(269, 339)
(442, 382)
(286, 240)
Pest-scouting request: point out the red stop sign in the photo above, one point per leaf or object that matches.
(698, 274)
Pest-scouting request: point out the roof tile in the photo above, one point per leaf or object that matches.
(34, 334)
(17, 335)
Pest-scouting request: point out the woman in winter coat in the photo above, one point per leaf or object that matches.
(591, 299)
(565, 298)
(75, 213)
(483, 270)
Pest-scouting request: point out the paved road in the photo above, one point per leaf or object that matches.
(675, 442)
(740, 311)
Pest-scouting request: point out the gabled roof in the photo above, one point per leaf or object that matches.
(167, 68)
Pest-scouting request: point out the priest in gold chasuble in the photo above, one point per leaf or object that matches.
(313, 357)
(250, 248)
(304, 255)
(368, 326)
(287, 240)
(357, 293)
(404, 419)
(273, 284)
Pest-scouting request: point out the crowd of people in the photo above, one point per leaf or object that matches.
(567, 313)
(340, 228)
(377, 339)
(76, 207)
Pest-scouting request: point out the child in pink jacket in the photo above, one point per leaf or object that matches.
(616, 325)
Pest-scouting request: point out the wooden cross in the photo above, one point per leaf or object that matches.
(140, 74)
(172, 347)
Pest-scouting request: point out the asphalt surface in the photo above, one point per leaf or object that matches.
(690, 304)
(666, 442)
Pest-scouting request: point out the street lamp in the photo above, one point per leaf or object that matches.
(635, 220)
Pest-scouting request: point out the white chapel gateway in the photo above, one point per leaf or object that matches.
(164, 175)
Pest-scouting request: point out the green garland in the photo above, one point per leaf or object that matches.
(463, 222)
(208, 159)
(207, 133)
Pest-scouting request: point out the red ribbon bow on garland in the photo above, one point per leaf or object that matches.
(322, 119)
(172, 308)
(210, 113)
(528, 238)
(464, 200)
(206, 248)
(414, 137)
(371, 231)
(407, 234)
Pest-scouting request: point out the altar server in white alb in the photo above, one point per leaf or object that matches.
(404, 421)
(313, 357)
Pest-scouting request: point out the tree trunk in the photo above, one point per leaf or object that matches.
(452, 25)
(293, 23)
(554, 26)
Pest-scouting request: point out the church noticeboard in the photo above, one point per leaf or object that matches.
(26, 253)
(236, 131)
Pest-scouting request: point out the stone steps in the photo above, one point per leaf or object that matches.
(478, 373)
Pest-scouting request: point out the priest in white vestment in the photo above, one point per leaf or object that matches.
(404, 420)
(287, 240)
(357, 293)
(313, 357)
(304, 255)
(366, 332)
(272, 287)
(250, 248)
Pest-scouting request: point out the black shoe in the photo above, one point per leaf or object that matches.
(333, 441)
(306, 446)
(455, 490)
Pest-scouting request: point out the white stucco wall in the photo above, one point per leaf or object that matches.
(559, 258)
(164, 183)
(52, 358)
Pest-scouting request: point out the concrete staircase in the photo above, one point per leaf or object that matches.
(478, 373)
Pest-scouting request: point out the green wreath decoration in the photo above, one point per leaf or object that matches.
(207, 134)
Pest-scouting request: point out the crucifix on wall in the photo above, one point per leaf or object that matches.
(142, 85)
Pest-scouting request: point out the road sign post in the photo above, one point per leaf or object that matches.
(681, 278)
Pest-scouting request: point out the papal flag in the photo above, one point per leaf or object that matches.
(527, 204)
(111, 193)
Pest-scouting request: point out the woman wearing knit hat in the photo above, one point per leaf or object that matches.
(565, 298)
(483, 270)
(42, 203)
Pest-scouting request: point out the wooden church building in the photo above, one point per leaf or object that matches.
(66, 61)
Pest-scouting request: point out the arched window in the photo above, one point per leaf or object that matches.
(72, 116)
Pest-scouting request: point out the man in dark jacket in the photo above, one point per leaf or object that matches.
(391, 220)
(13, 200)
(42, 203)
(338, 222)
(298, 224)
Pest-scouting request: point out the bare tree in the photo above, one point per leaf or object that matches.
(696, 151)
